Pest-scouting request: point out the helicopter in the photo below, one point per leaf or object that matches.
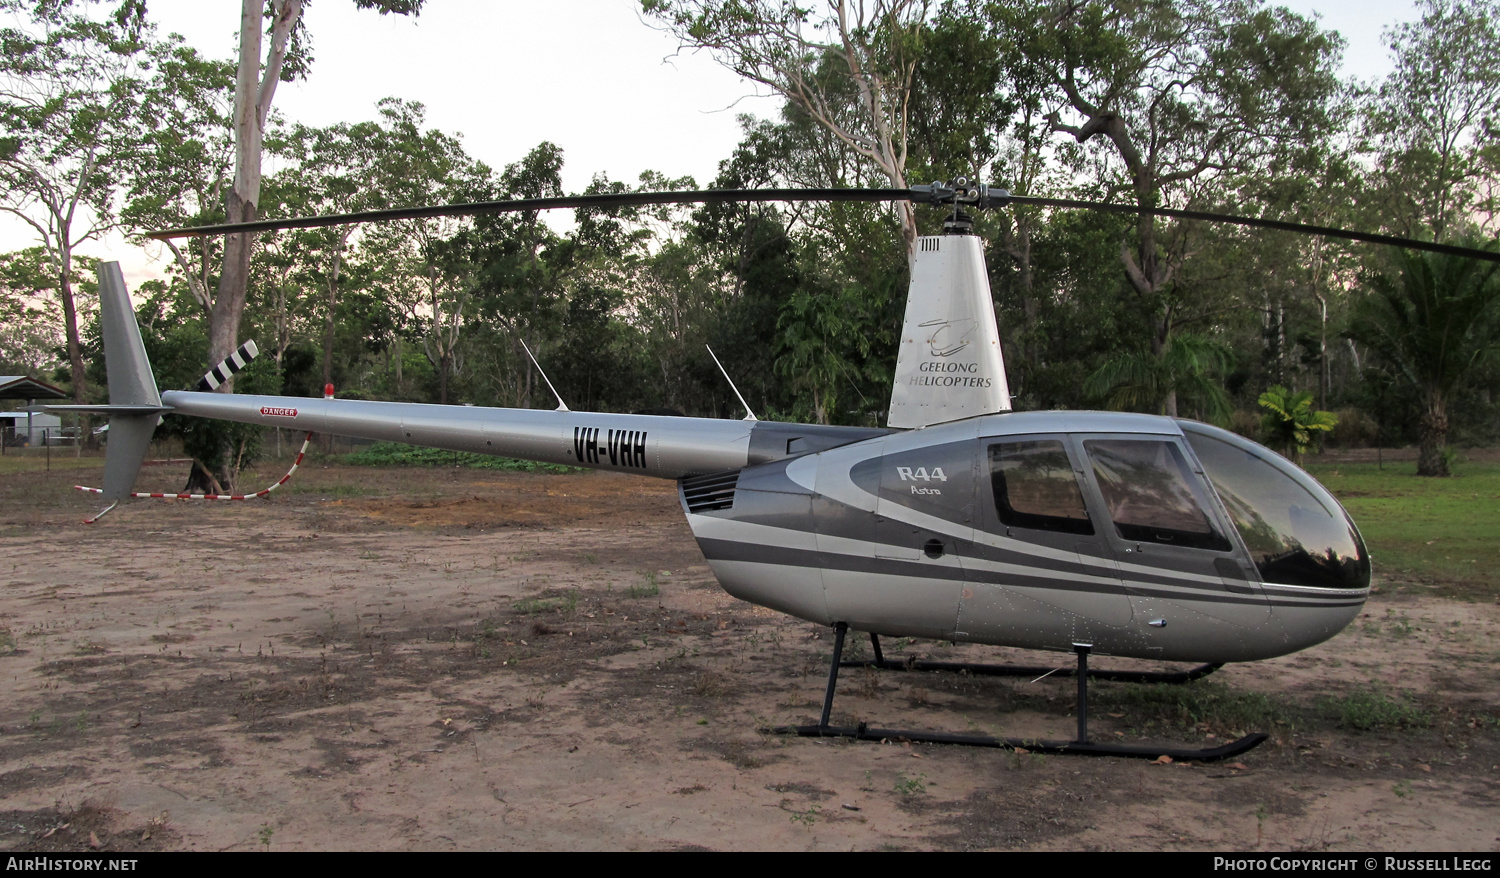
(1090, 533)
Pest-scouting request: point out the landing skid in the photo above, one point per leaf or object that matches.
(884, 664)
(1081, 746)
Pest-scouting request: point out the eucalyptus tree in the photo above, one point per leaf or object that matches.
(335, 173)
(1191, 99)
(31, 326)
(515, 263)
(287, 58)
(425, 265)
(644, 295)
(1434, 119)
(848, 66)
(181, 171)
(72, 90)
(977, 109)
(749, 261)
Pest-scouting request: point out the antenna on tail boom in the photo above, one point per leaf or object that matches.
(561, 406)
(749, 415)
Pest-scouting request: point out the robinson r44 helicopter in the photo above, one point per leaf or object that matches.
(1079, 532)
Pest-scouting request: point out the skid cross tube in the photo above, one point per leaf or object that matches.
(1079, 747)
(881, 663)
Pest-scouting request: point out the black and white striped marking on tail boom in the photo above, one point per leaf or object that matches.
(226, 370)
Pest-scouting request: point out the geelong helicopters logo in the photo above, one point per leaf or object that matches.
(948, 337)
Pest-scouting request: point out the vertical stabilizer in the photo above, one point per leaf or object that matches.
(130, 378)
(949, 366)
(130, 384)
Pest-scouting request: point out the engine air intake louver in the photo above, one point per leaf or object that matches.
(710, 493)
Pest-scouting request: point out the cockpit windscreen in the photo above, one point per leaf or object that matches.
(1295, 531)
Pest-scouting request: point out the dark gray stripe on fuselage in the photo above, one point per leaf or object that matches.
(734, 550)
(837, 519)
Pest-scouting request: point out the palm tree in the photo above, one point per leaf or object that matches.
(1289, 420)
(1187, 369)
(1434, 320)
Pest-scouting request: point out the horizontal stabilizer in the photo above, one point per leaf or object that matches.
(109, 409)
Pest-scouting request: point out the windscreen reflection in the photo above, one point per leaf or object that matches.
(1295, 531)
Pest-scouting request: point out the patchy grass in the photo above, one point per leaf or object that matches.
(34, 460)
(396, 454)
(1204, 705)
(566, 604)
(328, 492)
(649, 588)
(1435, 533)
(910, 786)
(1370, 709)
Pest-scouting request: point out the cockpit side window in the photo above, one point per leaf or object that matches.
(1035, 487)
(1151, 493)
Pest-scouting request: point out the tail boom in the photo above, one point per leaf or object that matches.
(652, 445)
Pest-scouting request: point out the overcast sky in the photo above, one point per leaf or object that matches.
(588, 75)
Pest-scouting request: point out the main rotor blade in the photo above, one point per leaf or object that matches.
(925, 194)
(623, 199)
(1346, 234)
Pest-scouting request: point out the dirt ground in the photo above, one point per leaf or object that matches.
(458, 659)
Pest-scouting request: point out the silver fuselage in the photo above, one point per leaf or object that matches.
(900, 535)
(896, 533)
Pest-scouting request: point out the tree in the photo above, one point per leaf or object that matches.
(336, 174)
(849, 69)
(31, 326)
(182, 168)
(1435, 114)
(816, 335)
(1289, 421)
(1188, 371)
(1435, 320)
(71, 92)
(426, 264)
(1192, 98)
(287, 58)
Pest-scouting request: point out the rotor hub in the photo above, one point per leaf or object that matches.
(962, 191)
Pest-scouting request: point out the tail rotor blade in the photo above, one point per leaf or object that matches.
(227, 369)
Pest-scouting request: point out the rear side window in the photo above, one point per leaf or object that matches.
(1035, 487)
(1151, 493)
